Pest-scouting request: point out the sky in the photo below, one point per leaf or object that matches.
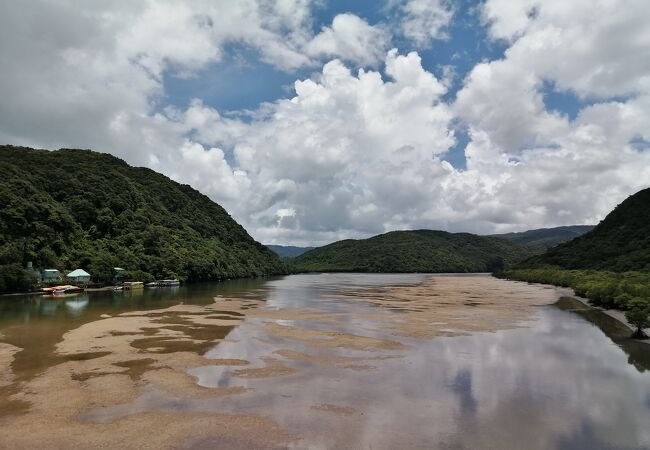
(312, 121)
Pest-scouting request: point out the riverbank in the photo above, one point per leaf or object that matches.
(611, 290)
(32, 293)
(614, 314)
(608, 292)
(111, 287)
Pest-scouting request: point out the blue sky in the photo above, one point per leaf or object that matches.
(241, 81)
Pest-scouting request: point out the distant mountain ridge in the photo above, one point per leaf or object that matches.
(69, 209)
(415, 251)
(621, 242)
(288, 251)
(542, 239)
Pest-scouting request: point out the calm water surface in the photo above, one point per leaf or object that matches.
(569, 379)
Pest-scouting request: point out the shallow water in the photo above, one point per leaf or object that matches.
(559, 377)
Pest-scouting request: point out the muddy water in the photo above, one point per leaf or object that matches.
(322, 361)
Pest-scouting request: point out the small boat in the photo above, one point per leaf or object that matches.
(164, 283)
(62, 290)
(131, 285)
(49, 290)
(68, 290)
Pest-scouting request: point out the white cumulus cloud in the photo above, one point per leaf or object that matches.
(423, 21)
(542, 164)
(352, 39)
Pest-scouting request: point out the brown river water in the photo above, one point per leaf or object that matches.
(351, 361)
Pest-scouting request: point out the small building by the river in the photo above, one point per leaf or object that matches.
(50, 275)
(79, 276)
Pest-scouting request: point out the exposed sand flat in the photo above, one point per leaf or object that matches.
(183, 385)
(454, 306)
(317, 338)
(335, 409)
(329, 359)
(7, 352)
(272, 367)
(110, 362)
(116, 358)
(150, 431)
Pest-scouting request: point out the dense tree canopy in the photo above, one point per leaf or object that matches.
(414, 251)
(288, 251)
(604, 288)
(621, 242)
(609, 265)
(76, 208)
(542, 239)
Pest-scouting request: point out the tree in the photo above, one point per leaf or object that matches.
(13, 278)
(639, 316)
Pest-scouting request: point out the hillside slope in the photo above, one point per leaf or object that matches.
(288, 251)
(77, 208)
(542, 239)
(414, 251)
(621, 242)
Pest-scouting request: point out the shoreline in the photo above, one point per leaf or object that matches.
(183, 283)
(613, 313)
(19, 294)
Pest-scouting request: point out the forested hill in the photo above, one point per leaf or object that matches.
(414, 251)
(621, 242)
(70, 209)
(288, 251)
(542, 239)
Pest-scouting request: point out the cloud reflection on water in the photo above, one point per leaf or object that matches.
(559, 382)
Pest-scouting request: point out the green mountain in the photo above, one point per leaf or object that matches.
(414, 251)
(621, 242)
(542, 239)
(77, 208)
(288, 251)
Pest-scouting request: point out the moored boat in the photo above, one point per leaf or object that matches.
(131, 285)
(62, 290)
(164, 283)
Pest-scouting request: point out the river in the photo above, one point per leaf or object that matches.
(368, 361)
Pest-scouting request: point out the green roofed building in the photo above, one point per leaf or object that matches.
(79, 276)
